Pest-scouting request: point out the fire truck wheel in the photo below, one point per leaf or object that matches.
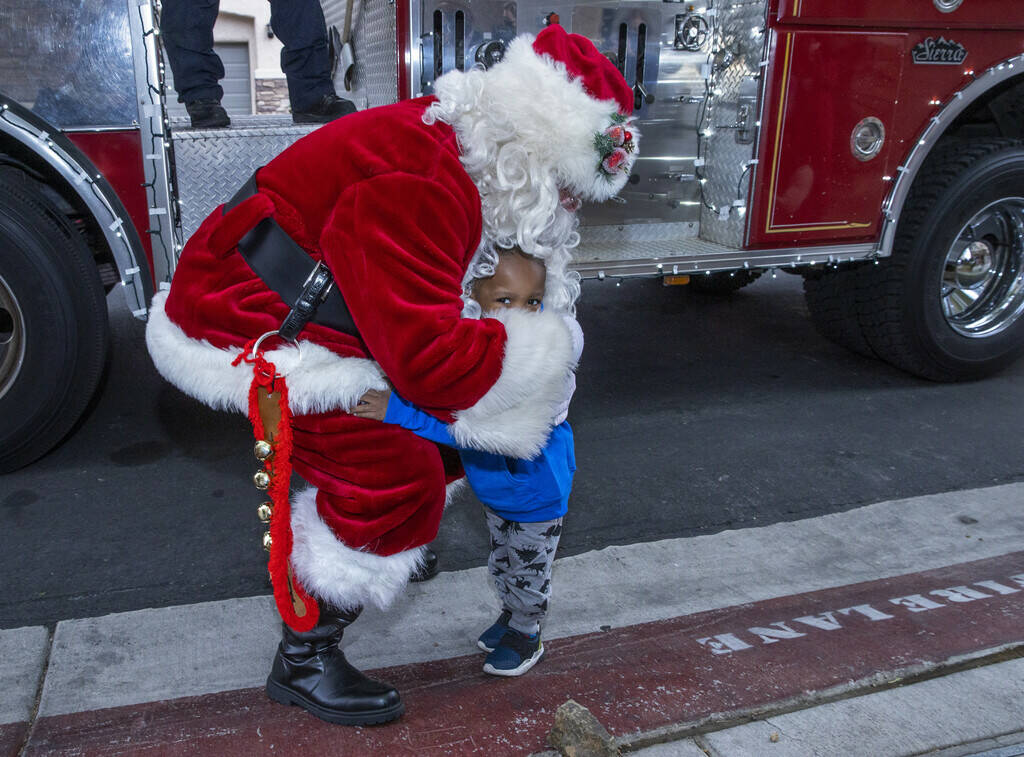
(949, 304)
(723, 282)
(831, 297)
(53, 323)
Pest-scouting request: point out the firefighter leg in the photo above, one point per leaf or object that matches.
(186, 27)
(305, 59)
(311, 671)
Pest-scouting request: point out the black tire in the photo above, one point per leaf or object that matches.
(831, 297)
(53, 323)
(900, 301)
(723, 282)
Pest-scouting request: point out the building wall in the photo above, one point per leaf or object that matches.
(247, 21)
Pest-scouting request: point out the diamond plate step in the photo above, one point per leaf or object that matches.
(212, 164)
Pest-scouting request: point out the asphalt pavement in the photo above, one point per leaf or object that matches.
(694, 415)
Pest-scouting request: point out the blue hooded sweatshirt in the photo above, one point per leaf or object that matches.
(527, 491)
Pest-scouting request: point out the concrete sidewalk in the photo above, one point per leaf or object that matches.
(977, 711)
(974, 712)
(795, 626)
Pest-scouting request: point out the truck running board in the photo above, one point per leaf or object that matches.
(673, 249)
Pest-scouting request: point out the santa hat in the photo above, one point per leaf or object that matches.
(572, 107)
(600, 78)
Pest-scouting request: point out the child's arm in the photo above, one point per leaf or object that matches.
(388, 407)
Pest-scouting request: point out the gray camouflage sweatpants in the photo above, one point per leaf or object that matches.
(520, 563)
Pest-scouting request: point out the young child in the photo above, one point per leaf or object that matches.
(524, 500)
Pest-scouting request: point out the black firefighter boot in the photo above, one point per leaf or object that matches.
(311, 671)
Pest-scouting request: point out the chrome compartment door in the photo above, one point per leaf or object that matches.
(69, 61)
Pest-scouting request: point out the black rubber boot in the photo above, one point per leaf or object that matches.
(325, 110)
(311, 671)
(428, 569)
(207, 114)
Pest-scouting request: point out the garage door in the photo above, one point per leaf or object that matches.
(237, 82)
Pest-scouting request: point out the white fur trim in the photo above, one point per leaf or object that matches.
(454, 490)
(562, 411)
(344, 577)
(515, 416)
(557, 119)
(319, 381)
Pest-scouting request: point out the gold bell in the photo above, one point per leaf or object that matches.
(264, 512)
(267, 541)
(262, 480)
(263, 449)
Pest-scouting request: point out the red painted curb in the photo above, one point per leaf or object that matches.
(633, 679)
(12, 735)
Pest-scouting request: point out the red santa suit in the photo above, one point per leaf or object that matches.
(385, 201)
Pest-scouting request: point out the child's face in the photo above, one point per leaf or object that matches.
(518, 282)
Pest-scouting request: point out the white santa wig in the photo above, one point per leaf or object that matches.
(526, 130)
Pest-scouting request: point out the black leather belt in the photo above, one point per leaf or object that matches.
(287, 269)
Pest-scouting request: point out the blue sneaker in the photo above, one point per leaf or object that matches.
(515, 654)
(490, 638)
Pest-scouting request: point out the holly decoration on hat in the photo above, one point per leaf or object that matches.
(614, 145)
(616, 162)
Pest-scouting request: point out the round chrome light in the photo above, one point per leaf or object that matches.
(867, 138)
(947, 6)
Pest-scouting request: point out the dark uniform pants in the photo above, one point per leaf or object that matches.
(187, 30)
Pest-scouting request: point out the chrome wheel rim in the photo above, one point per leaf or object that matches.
(983, 275)
(12, 338)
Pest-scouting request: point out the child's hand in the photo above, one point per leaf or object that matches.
(373, 404)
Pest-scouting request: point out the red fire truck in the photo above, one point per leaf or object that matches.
(873, 147)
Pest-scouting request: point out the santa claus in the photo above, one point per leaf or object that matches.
(402, 205)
